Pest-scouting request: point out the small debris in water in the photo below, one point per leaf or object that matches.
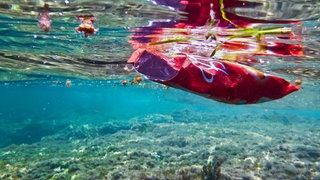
(87, 25)
(45, 21)
(68, 82)
(124, 82)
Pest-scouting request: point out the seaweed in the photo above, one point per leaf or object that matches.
(212, 171)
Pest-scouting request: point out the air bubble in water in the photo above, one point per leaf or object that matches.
(66, 2)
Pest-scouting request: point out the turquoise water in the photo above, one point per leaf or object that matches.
(99, 128)
(87, 130)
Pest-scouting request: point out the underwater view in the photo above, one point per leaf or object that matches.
(160, 89)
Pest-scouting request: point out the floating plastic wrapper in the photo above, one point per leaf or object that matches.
(205, 54)
(223, 81)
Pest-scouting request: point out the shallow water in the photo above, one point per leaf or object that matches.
(99, 128)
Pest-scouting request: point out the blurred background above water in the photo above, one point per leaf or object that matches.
(28, 52)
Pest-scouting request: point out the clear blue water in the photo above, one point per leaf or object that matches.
(54, 106)
(47, 128)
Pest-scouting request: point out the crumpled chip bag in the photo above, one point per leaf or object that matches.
(222, 81)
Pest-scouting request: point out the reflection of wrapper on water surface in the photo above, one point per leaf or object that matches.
(222, 81)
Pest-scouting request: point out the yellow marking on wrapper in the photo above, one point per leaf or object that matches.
(223, 14)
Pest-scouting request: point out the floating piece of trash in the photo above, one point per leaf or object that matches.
(87, 25)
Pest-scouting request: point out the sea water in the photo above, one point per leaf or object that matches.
(41, 116)
(99, 128)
